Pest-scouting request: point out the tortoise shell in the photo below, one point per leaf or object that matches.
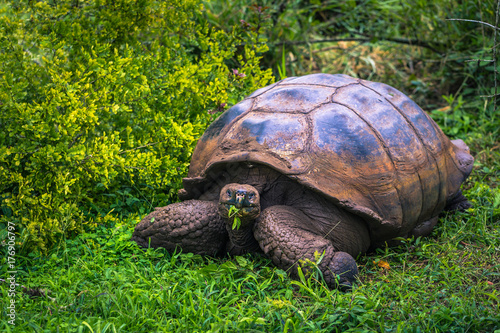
(365, 145)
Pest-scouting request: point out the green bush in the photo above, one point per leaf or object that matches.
(101, 104)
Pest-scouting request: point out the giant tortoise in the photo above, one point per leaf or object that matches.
(320, 167)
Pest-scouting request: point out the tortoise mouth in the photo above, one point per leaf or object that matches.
(244, 212)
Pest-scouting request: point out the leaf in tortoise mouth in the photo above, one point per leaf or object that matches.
(234, 212)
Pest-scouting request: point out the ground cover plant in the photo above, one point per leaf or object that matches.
(93, 279)
(101, 282)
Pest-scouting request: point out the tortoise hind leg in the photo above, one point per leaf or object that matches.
(284, 237)
(192, 225)
(458, 202)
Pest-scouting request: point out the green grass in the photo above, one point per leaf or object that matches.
(102, 282)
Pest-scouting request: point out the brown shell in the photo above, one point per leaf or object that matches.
(365, 145)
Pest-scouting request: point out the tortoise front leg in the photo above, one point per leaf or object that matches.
(194, 226)
(286, 236)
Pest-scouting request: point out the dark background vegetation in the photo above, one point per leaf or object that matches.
(101, 104)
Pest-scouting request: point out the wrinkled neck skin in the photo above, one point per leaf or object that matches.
(241, 240)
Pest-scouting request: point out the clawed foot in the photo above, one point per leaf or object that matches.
(344, 271)
(459, 202)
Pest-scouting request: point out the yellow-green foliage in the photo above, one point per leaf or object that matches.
(102, 101)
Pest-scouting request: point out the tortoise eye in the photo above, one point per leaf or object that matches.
(251, 196)
(228, 192)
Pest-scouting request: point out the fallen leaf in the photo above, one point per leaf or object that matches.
(383, 264)
(444, 109)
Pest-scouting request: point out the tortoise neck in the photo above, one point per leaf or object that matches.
(242, 240)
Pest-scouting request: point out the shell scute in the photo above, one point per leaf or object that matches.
(339, 136)
(424, 127)
(283, 136)
(293, 99)
(392, 129)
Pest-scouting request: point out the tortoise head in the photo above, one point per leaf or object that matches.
(244, 198)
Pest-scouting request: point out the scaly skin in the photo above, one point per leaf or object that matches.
(193, 225)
